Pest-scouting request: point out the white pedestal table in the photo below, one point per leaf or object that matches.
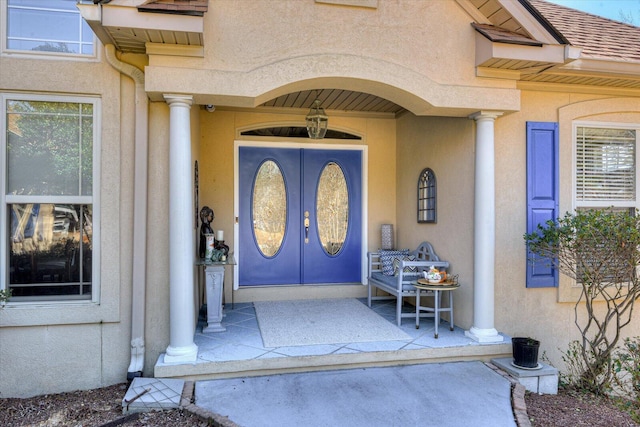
(214, 290)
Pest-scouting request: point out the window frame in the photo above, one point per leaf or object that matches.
(5, 50)
(93, 200)
(616, 205)
(597, 111)
(579, 204)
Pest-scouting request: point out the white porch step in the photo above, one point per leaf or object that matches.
(203, 370)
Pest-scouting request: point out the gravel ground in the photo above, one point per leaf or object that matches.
(570, 408)
(98, 407)
(103, 408)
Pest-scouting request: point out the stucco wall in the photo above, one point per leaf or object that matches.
(398, 35)
(446, 146)
(250, 61)
(54, 347)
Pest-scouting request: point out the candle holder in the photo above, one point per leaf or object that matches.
(221, 246)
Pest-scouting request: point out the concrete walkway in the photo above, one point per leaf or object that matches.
(437, 394)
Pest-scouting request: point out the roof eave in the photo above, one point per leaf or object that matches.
(489, 52)
(129, 29)
(602, 67)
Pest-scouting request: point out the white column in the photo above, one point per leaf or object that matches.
(181, 239)
(484, 231)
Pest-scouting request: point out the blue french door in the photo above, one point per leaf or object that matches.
(300, 219)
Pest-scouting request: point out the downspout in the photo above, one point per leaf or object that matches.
(139, 279)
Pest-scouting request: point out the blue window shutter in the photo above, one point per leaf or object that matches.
(542, 194)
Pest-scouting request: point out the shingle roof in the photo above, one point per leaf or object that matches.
(178, 7)
(598, 37)
(497, 34)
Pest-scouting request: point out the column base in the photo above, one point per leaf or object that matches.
(181, 354)
(484, 335)
(213, 327)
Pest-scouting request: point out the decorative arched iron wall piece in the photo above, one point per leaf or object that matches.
(427, 196)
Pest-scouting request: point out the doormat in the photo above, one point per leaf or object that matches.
(325, 321)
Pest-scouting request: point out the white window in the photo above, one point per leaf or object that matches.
(50, 220)
(606, 172)
(51, 26)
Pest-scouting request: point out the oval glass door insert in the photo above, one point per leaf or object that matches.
(269, 208)
(332, 208)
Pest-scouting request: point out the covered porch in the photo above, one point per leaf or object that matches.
(239, 351)
(477, 296)
(194, 110)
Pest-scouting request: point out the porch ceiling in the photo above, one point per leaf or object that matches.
(337, 100)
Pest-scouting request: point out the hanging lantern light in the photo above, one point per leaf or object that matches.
(317, 121)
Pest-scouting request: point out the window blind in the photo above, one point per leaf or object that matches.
(605, 164)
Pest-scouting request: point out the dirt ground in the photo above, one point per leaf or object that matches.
(103, 408)
(97, 407)
(570, 408)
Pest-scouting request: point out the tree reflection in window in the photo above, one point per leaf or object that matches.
(49, 191)
(332, 208)
(269, 208)
(427, 196)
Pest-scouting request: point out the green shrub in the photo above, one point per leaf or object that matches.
(600, 250)
(4, 296)
(577, 362)
(626, 364)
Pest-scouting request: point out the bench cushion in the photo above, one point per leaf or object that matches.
(409, 269)
(387, 257)
(391, 281)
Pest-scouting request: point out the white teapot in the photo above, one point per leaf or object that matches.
(433, 275)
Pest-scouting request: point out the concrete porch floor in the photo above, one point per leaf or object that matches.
(239, 351)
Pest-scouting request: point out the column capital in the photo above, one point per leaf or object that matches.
(485, 115)
(170, 98)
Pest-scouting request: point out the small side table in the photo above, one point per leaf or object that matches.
(214, 289)
(436, 310)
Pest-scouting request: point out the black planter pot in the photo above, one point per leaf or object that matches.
(525, 352)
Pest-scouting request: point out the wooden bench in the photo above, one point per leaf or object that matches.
(408, 268)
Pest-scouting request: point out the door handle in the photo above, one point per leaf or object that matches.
(306, 226)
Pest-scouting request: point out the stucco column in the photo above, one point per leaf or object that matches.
(484, 249)
(181, 240)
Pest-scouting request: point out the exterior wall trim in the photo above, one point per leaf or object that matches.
(414, 91)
